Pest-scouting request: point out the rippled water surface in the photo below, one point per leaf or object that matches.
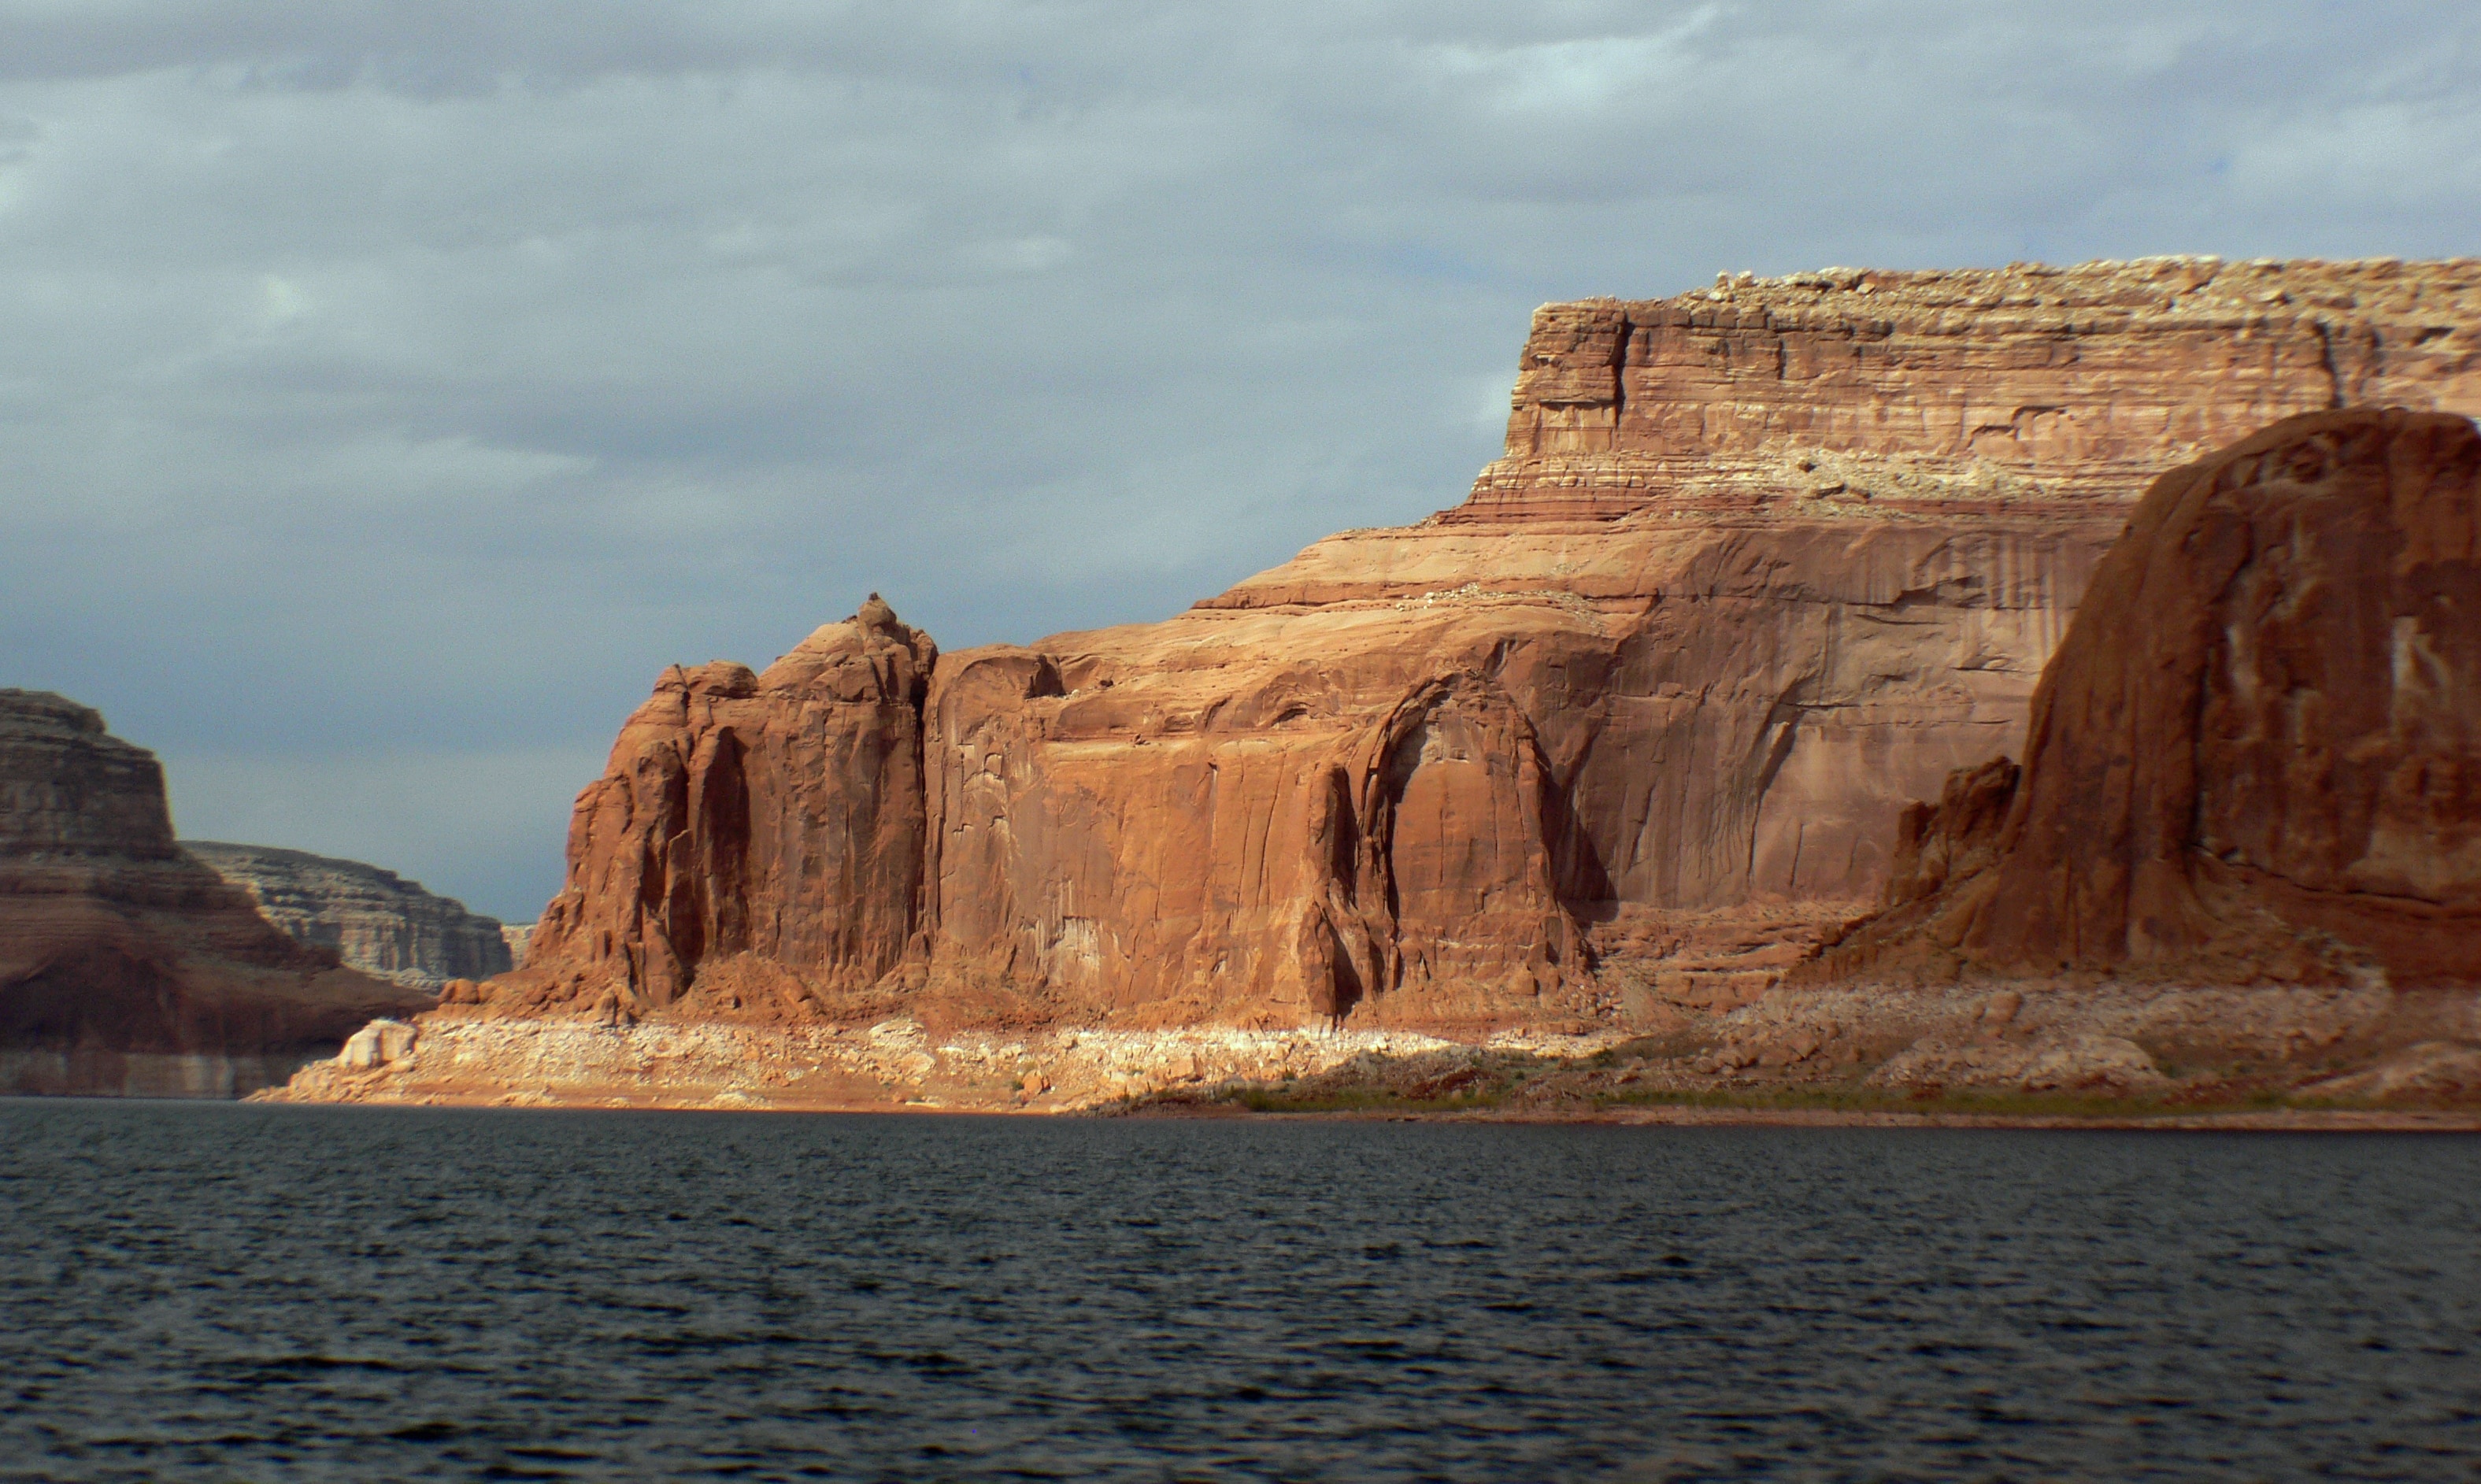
(242, 1292)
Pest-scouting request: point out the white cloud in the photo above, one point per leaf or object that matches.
(1582, 74)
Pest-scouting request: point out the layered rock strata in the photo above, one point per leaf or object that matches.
(126, 966)
(2258, 754)
(374, 920)
(1762, 564)
(2015, 385)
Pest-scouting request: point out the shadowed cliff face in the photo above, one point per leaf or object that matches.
(2257, 755)
(126, 966)
(1763, 565)
(70, 790)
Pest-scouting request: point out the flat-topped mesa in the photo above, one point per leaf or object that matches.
(2025, 383)
(1481, 772)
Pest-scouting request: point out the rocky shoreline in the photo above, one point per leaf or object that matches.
(2069, 1055)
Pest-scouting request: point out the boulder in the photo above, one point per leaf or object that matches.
(378, 1044)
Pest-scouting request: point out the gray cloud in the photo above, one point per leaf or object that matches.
(395, 388)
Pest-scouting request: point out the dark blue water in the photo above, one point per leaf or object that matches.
(232, 1293)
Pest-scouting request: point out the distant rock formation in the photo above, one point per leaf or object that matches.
(515, 937)
(374, 920)
(125, 965)
(2257, 755)
(1761, 565)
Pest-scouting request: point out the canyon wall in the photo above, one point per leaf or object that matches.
(372, 920)
(125, 965)
(2257, 755)
(1762, 563)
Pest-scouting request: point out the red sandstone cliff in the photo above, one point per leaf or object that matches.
(773, 821)
(1761, 564)
(2258, 754)
(2015, 384)
(126, 965)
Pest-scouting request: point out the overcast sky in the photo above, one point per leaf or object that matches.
(392, 390)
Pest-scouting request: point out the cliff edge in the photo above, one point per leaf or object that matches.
(2022, 384)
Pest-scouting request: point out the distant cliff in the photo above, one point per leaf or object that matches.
(374, 920)
(125, 965)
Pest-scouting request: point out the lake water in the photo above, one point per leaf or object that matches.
(217, 1291)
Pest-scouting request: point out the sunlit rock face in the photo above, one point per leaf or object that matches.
(126, 966)
(2023, 383)
(1762, 564)
(770, 820)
